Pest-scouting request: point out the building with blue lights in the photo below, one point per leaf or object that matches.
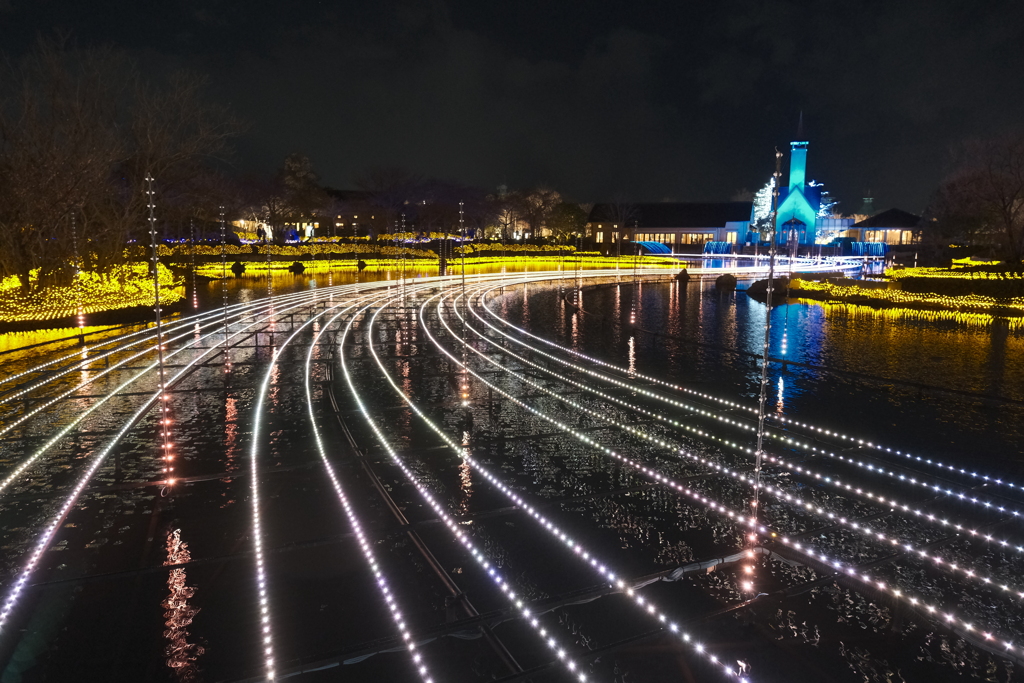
(797, 217)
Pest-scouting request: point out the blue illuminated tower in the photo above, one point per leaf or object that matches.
(799, 202)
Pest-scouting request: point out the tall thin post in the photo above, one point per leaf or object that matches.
(192, 254)
(762, 397)
(402, 250)
(164, 396)
(80, 314)
(462, 232)
(224, 287)
(270, 286)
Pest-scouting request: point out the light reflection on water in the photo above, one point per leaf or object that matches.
(653, 527)
(182, 656)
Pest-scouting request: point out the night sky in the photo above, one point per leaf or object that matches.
(642, 101)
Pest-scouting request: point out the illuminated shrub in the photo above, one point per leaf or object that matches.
(125, 286)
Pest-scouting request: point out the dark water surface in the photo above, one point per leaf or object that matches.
(100, 604)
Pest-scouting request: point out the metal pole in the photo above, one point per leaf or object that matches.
(462, 232)
(192, 240)
(270, 286)
(761, 412)
(164, 415)
(78, 282)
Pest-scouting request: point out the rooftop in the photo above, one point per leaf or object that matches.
(672, 214)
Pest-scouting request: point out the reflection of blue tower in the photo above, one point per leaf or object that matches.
(798, 203)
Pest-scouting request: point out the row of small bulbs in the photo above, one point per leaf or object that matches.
(948, 467)
(866, 530)
(948, 616)
(263, 595)
(46, 537)
(788, 441)
(382, 583)
(49, 532)
(461, 537)
(25, 464)
(588, 557)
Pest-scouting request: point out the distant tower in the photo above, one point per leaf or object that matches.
(798, 203)
(868, 208)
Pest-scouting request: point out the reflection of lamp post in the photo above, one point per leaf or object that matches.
(759, 456)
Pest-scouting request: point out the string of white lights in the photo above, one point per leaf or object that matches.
(50, 530)
(577, 550)
(560, 651)
(28, 415)
(25, 464)
(148, 336)
(901, 544)
(876, 498)
(886, 450)
(950, 617)
(834, 480)
(263, 596)
(380, 579)
(79, 363)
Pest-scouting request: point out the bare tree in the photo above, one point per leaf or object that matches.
(509, 209)
(983, 200)
(539, 204)
(56, 151)
(79, 132)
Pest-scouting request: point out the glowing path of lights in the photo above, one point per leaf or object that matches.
(148, 336)
(167, 340)
(901, 544)
(923, 515)
(32, 459)
(949, 468)
(263, 597)
(48, 532)
(948, 616)
(820, 550)
(546, 637)
(299, 300)
(357, 528)
(576, 548)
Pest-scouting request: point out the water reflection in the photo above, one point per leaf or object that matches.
(182, 656)
(465, 478)
(632, 356)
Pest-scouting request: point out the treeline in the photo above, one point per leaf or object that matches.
(981, 202)
(394, 201)
(80, 131)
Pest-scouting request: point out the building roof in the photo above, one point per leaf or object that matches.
(672, 214)
(893, 218)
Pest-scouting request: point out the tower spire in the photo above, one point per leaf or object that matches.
(800, 126)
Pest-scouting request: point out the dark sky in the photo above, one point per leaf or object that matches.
(647, 101)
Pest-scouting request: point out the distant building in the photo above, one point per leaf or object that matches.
(894, 226)
(798, 219)
(684, 227)
(354, 214)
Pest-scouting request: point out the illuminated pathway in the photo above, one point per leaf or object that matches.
(437, 479)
